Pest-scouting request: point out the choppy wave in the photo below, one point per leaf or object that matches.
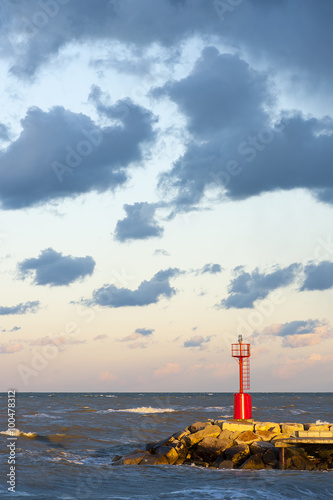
(40, 415)
(18, 433)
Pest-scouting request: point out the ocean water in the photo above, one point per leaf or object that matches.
(66, 441)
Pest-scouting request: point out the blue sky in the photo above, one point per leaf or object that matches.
(166, 183)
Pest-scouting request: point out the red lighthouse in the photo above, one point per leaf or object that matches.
(242, 400)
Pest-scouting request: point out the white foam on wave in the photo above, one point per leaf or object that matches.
(40, 415)
(320, 422)
(18, 433)
(210, 493)
(141, 409)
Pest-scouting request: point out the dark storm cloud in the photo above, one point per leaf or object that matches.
(61, 154)
(148, 292)
(245, 288)
(139, 223)
(54, 269)
(293, 34)
(234, 148)
(318, 276)
(28, 307)
(222, 93)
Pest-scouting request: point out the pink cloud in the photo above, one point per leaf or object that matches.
(108, 376)
(11, 348)
(138, 345)
(58, 341)
(100, 337)
(293, 366)
(257, 350)
(168, 369)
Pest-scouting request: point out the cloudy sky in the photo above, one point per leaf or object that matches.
(166, 183)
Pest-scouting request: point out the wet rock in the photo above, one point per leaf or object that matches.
(169, 452)
(133, 458)
(237, 454)
(296, 458)
(271, 458)
(260, 447)
(151, 447)
(225, 464)
(254, 462)
(210, 448)
(154, 460)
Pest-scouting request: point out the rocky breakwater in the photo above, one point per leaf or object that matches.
(227, 444)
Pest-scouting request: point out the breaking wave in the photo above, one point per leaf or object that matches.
(140, 409)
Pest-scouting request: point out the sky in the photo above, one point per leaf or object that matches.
(166, 184)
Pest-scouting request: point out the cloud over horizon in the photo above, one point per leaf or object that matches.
(300, 333)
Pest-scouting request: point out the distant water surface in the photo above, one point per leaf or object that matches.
(66, 442)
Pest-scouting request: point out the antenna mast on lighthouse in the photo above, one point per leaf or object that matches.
(242, 400)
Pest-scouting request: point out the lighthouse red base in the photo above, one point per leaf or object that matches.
(242, 406)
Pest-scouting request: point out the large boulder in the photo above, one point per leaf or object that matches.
(291, 428)
(228, 434)
(317, 427)
(196, 437)
(260, 447)
(197, 426)
(267, 426)
(180, 434)
(296, 458)
(154, 460)
(237, 454)
(224, 464)
(238, 426)
(267, 435)
(210, 448)
(152, 447)
(246, 437)
(271, 458)
(134, 458)
(254, 462)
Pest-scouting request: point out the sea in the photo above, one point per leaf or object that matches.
(66, 441)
